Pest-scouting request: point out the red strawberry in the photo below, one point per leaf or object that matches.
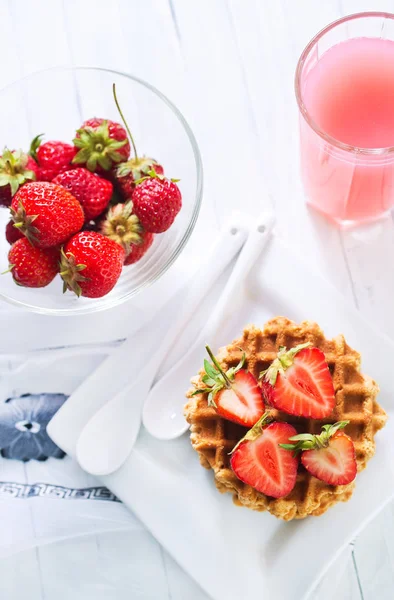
(235, 394)
(100, 144)
(124, 228)
(12, 233)
(157, 201)
(16, 168)
(137, 251)
(46, 213)
(33, 267)
(91, 191)
(127, 173)
(299, 383)
(52, 157)
(259, 461)
(329, 456)
(91, 264)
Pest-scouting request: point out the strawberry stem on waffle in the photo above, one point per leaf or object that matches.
(124, 121)
(309, 441)
(283, 361)
(227, 381)
(215, 378)
(256, 430)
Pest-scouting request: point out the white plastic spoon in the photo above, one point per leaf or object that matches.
(107, 439)
(162, 414)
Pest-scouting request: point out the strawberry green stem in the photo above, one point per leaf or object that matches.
(124, 121)
(219, 368)
(256, 430)
(309, 441)
(9, 270)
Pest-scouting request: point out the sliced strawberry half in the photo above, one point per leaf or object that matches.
(242, 402)
(334, 464)
(329, 456)
(299, 382)
(258, 460)
(235, 394)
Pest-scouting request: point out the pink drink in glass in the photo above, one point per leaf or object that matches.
(346, 97)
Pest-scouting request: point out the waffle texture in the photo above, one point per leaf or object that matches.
(214, 437)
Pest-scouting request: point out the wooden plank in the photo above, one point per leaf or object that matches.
(369, 248)
(222, 118)
(373, 555)
(180, 583)
(20, 576)
(340, 581)
(368, 251)
(35, 49)
(269, 45)
(125, 565)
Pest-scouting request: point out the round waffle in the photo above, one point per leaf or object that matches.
(214, 437)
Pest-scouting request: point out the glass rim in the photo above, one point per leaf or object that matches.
(101, 306)
(297, 85)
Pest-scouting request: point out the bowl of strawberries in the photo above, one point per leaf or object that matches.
(100, 189)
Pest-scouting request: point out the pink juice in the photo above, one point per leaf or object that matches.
(349, 94)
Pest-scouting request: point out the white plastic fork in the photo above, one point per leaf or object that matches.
(162, 414)
(109, 436)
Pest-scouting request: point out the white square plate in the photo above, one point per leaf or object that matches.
(234, 552)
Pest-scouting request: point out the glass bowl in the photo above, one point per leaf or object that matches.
(56, 102)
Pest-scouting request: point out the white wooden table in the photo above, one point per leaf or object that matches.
(229, 66)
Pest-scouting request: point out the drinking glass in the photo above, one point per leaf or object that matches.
(347, 183)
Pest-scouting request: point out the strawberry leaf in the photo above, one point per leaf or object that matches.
(208, 381)
(211, 400)
(81, 156)
(233, 370)
(210, 370)
(35, 144)
(256, 430)
(283, 361)
(215, 378)
(308, 441)
(104, 161)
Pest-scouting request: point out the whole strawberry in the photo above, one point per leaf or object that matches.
(100, 144)
(157, 201)
(91, 264)
(137, 251)
(127, 173)
(124, 228)
(33, 267)
(52, 157)
(12, 233)
(46, 213)
(16, 168)
(92, 192)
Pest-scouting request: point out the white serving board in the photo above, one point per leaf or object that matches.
(234, 552)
